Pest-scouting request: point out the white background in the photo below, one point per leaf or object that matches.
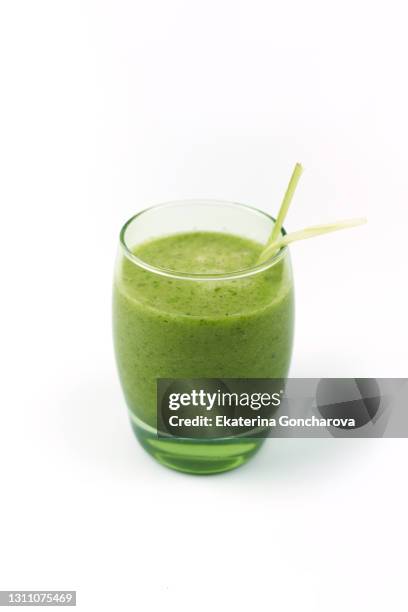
(106, 107)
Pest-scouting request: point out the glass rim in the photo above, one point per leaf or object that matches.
(249, 271)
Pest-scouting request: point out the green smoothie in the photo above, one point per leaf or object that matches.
(168, 327)
(194, 304)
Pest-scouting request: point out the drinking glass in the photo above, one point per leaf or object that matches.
(176, 325)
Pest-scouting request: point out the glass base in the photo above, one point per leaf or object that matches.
(196, 456)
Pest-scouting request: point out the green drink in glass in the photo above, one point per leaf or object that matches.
(192, 301)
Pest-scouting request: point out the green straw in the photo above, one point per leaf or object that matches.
(309, 232)
(276, 241)
(294, 179)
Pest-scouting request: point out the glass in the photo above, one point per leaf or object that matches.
(171, 324)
